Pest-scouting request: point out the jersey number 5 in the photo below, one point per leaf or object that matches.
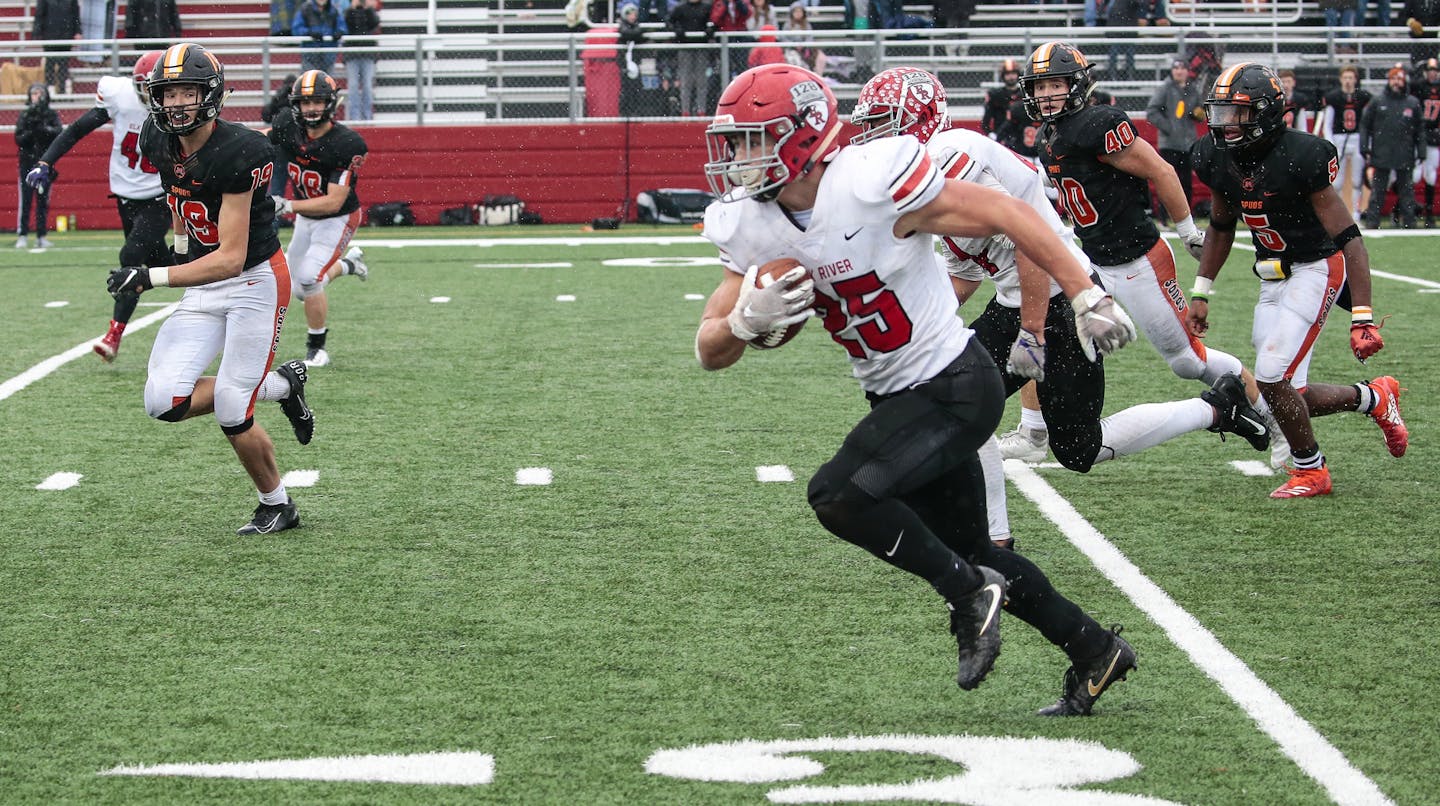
(1260, 230)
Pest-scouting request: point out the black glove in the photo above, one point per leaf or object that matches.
(129, 279)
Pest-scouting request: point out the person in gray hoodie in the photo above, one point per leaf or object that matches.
(1174, 108)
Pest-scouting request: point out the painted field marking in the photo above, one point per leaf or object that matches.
(444, 769)
(570, 240)
(694, 297)
(1250, 467)
(524, 265)
(300, 478)
(534, 476)
(1297, 738)
(59, 481)
(151, 304)
(773, 473)
(565, 298)
(59, 303)
(439, 300)
(55, 362)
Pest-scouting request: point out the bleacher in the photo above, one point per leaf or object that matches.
(459, 61)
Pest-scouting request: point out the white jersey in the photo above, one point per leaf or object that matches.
(973, 157)
(884, 299)
(131, 175)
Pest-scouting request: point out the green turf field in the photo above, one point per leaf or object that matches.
(655, 596)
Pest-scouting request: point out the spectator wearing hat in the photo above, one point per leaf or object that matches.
(1174, 108)
(1392, 140)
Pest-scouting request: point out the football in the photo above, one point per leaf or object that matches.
(775, 338)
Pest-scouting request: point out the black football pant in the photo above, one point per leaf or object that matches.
(1073, 393)
(145, 222)
(907, 486)
(1404, 193)
(30, 198)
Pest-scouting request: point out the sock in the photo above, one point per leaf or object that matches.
(275, 497)
(1368, 398)
(994, 466)
(1139, 427)
(1032, 419)
(1308, 462)
(315, 340)
(274, 387)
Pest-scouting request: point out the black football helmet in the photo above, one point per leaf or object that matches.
(1246, 110)
(186, 63)
(313, 85)
(1057, 60)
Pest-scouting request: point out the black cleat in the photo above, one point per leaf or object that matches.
(301, 418)
(270, 519)
(1084, 683)
(975, 623)
(1234, 412)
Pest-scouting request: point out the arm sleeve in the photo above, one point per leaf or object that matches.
(83, 125)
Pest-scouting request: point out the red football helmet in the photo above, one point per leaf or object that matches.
(772, 125)
(143, 67)
(901, 100)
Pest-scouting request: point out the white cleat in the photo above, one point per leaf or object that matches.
(317, 358)
(43, 243)
(22, 242)
(356, 256)
(1025, 445)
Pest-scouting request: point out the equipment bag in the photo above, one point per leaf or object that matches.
(390, 214)
(501, 210)
(672, 205)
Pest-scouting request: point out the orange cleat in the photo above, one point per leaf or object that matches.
(1387, 414)
(1305, 484)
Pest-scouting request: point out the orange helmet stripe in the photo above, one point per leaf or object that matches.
(1042, 57)
(1222, 84)
(174, 59)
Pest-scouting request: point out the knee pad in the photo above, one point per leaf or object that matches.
(175, 413)
(834, 498)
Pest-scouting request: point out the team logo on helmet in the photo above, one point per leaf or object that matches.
(810, 101)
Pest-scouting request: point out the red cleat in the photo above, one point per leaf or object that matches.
(1305, 484)
(1386, 414)
(109, 345)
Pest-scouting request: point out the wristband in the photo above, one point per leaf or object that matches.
(1203, 288)
(160, 276)
(1361, 315)
(1186, 228)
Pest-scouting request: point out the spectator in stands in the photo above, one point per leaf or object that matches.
(891, 14)
(57, 19)
(954, 13)
(36, 128)
(325, 25)
(152, 19)
(1341, 14)
(631, 34)
(762, 13)
(1173, 110)
(1392, 140)
(1382, 13)
(731, 17)
(1094, 13)
(767, 52)
(1299, 106)
(690, 20)
(282, 17)
(361, 19)
(802, 53)
(1422, 17)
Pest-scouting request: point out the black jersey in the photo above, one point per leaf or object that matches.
(1429, 97)
(314, 165)
(1272, 197)
(1107, 205)
(1345, 109)
(1295, 103)
(1019, 133)
(233, 160)
(997, 108)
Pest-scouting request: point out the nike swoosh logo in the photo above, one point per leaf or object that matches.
(1132, 276)
(269, 527)
(853, 234)
(252, 282)
(1094, 689)
(896, 547)
(995, 596)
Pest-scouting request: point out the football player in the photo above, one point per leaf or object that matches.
(1280, 182)
(323, 159)
(1298, 104)
(236, 283)
(998, 100)
(1035, 340)
(1342, 108)
(1427, 91)
(1103, 172)
(906, 485)
(134, 182)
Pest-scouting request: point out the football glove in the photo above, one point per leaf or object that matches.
(283, 206)
(1365, 340)
(1027, 357)
(779, 304)
(40, 177)
(1191, 235)
(129, 279)
(1103, 327)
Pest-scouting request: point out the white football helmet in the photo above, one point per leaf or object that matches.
(901, 100)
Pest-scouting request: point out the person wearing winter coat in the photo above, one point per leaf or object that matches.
(690, 21)
(152, 19)
(362, 18)
(57, 19)
(37, 127)
(325, 26)
(1392, 140)
(1175, 107)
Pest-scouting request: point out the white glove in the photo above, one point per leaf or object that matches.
(1191, 235)
(1027, 357)
(283, 205)
(779, 304)
(1101, 324)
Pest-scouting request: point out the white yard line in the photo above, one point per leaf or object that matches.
(55, 362)
(1297, 738)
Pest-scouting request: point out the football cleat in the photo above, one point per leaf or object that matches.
(356, 256)
(272, 518)
(1386, 414)
(43, 243)
(316, 357)
(1234, 414)
(22, 242)
(975, 623)
(1305, 483)
(1025, 444)
(301, 418)
(1085, 682)
(108, 346)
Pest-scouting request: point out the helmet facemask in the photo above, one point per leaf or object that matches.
(747, 156)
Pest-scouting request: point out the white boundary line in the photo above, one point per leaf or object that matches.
(1297, 738)
(55, 362)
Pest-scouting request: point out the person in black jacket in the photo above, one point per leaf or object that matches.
(152, 19)
(1392, 139)
(998, 100)
(57, 19)
(37, 127)
(690, 21)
